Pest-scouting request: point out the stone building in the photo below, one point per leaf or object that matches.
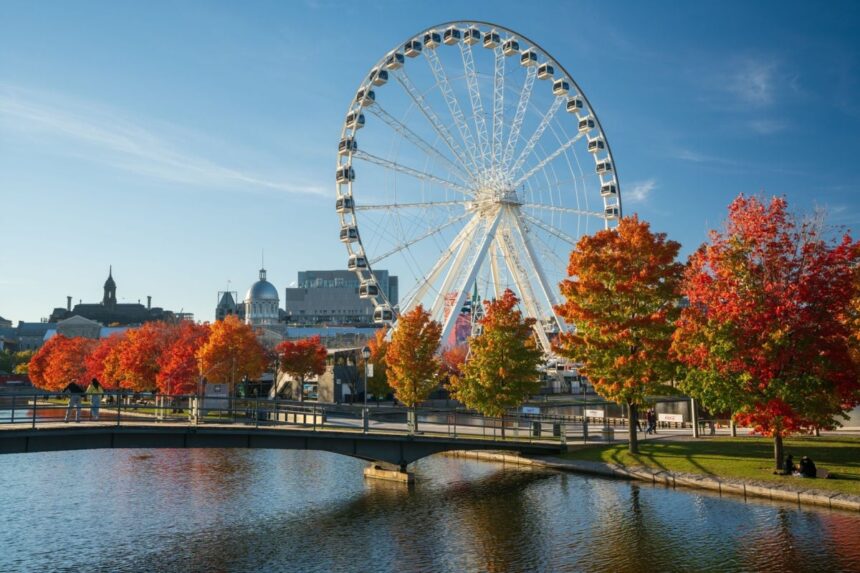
(109, 311)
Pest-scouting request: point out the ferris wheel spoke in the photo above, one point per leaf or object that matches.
(418, 239)
(527, 150)
(562, 210)
(498, 104)
(453, 104)
(549, 229)
(419, 142)
(545, 161)
(475, 100)
(427, 205)
(435, 122)
(523, 284)
(522, 107)
(426, 283)
(466, 275)
(534, 261)
(363, 155)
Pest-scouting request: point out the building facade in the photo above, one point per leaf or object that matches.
(331, 297)
(109, 311)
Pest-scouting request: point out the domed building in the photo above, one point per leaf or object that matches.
(262, 303)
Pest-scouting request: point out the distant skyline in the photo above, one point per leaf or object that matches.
(177, 141)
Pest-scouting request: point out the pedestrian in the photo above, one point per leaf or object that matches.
(649, 424)
(788, 466)
(75, 393)
(653, 420)
(94, 393)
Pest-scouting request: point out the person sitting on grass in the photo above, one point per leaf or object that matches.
(788, 466)
(807, 467)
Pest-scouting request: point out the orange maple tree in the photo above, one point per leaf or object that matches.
(412, 364)
(140, 353)
(378, 345)
(622, 298)
(102, 362)
(766, 323)
(302, 358)
(60, 361)
(179, 369)
(231, 353)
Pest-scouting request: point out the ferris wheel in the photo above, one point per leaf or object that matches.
(472, 171)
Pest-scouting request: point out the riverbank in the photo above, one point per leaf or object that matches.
(718, 467)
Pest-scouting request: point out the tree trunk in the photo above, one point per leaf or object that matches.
(734, 428)
(777, 450)
(632, 418)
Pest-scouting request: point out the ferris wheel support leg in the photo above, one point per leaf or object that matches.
(434, 273)
(494, 270)
(486, 240)
(523, 285)
(534, 261)
(455, 270)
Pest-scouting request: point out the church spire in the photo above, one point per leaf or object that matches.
(109, 298)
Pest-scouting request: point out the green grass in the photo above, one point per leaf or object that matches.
(741, 458)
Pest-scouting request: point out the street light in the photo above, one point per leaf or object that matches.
(365, 353)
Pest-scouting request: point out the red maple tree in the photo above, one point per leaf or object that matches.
(302, 358)
(179, 367)
(139, 359)
(765, 332)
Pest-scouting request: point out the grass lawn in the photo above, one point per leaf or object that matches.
(742, 458)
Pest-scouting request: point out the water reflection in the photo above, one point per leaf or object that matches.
(246, 510)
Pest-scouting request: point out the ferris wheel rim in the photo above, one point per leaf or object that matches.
(366, 272)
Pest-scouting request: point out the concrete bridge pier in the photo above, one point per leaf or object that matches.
(389, 472)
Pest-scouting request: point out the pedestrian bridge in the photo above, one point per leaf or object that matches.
(378, 435)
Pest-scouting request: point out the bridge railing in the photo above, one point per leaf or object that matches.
(126, 409)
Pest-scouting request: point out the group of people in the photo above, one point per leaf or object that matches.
(806, 467)
(94, 392)
(650, 422)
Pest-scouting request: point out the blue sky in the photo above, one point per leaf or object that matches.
(177, 140)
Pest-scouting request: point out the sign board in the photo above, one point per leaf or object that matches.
(670, 418)
(534, 410)
(215, 396)
(369, 370)
(594, 413)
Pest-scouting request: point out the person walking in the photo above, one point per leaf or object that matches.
(94, 393)
(75, 393)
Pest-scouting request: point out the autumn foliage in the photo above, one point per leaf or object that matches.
(378, 345)
(412, 364)
(502, 369)
(767, 324)
(302, 358)
(178, 367)
(622, 298)
(231, 352)
(103, 361)
(60, 361)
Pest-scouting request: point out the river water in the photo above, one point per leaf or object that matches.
(268, 510)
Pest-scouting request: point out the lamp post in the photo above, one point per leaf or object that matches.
(365, 353)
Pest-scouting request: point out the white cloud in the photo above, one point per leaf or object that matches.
(767, 126)
(125, 144)
(753, 81)
(639, 191)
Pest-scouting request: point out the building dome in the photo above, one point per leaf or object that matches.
(262, 290)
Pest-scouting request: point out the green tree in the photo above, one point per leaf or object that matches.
(622, 298)
(501, 370)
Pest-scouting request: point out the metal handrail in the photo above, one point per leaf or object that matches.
(120, 408)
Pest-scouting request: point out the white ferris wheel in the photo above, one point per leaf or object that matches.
(473, 171)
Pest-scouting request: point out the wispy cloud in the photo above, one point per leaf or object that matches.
(125, 144)
(639, 191)
(767, 126)
(752, 80)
